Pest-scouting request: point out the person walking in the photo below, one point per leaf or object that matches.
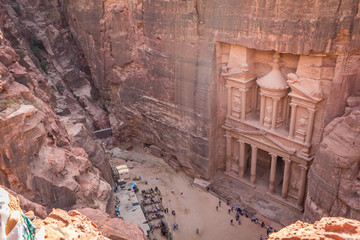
(197, 231)
(217, 208)
(172, 190)
(182, 194)
(232, 222)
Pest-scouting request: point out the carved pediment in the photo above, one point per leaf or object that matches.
(263, 137)
(299, 91)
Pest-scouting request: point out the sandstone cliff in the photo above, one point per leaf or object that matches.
(60, 224)
(155, 62)
(326, 228)
(44, 85)
(334, 177)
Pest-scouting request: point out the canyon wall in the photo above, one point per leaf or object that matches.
(156, 64)
(334, 177)
(48, 111)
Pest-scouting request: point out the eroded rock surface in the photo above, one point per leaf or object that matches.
(113, 228)
(326, 228)
(334, 177)
(61, 225)
(156, 65)
(38, 158)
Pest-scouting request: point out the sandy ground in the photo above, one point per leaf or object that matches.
(196, 209)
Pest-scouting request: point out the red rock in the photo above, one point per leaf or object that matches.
(60, 225)
(326, 228)
(114, 228)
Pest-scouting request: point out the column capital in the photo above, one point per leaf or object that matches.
(311, 110)
(273, 155)
(240, 141)
(293, 105)
(254, 147)
(276, 99)
(227, 135)
(303, 167)
(228, 86)
(286, 160)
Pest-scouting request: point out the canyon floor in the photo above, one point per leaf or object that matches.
(196, 209)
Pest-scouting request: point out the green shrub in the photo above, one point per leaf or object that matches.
(16, 9)
(43, 64)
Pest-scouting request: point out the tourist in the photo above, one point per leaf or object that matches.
(232, 208)
(181, 194)
(197, 231)
(229, 210)
(232, 222)
(217, 208)
(173, 212)
(239, 222)
(261, 238)
(247, 214)
(219, 203)
(174, 226)
(172, 190)
(262, 224)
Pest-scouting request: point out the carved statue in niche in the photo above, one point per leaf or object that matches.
(302, 123)
(267, 119)
(295, 184)
(237, 103)
(235, 157)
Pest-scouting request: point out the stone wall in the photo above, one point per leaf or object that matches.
(155, 62)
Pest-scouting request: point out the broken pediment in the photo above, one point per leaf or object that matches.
(300, 89)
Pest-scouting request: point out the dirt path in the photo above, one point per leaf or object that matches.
(196, 209)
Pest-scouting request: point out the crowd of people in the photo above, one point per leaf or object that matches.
(242, 212)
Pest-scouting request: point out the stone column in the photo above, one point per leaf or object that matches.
(253, 164)
(262, 109)
(274, 113)
(301, 192)
(241, 159)
(284, 106)
(292, 120)
(286, 178)
(272, 173)
(243, 105)
(228, 152)
(310, 125)
(229, 100)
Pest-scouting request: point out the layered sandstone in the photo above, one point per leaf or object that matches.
(59, 224)
(113, 228)
(157, 62)
(43, 86)
(326, 228)
(334, 177)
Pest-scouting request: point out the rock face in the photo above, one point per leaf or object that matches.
(334, 177)
(61, 225)
(156, 63)
(113, 228)
(41, 80)
(326, 228)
